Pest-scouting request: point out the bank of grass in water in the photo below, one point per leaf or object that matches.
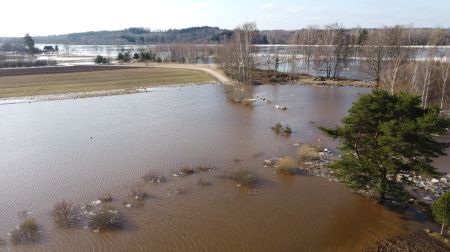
(308, 153)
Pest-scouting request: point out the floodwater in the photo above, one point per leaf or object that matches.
(70, 55)
(47, 155)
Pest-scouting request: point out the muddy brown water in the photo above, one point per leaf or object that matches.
(47, 155)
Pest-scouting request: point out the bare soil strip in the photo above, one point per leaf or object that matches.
(57, 70)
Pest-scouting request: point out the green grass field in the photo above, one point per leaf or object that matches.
(130, 79)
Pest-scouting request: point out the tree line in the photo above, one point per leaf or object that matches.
(172, 53)
(22, 52)
(390, 55)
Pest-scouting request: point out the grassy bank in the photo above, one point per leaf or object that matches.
(272, 77)
(74, 82)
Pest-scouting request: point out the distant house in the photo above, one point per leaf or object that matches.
(49, 49)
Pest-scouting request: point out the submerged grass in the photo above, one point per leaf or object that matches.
(286, 165)
(105, 219)
(187, 171)
(243, 177)
(138, 193)
(66, 214)
(153, 177)
(285, 130)
(26, 232)
(203, 182)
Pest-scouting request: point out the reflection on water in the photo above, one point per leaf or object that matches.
(47, 154)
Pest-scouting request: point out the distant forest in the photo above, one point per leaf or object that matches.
(141, 36)
(215, 35)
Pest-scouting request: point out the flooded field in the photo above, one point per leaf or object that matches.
(78, 150)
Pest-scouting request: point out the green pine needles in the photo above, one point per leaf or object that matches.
(384, 135)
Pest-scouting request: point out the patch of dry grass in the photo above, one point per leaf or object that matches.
(307, 153)
(286, 165)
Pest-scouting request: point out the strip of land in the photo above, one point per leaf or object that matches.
(57, 80)
(211, 69)
(84, 81)
(273, 77)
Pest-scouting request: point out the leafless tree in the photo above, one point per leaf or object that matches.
(236, 56)
(444, 69)
(391, 74)
(376, 53)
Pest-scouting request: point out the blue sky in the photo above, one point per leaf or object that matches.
(45, 17)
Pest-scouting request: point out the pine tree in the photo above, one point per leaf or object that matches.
(29, 42)
(384, 135)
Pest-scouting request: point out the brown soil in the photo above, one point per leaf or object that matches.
(57, 70)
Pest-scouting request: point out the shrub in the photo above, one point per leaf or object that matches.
(105, 219)
(247, 102)
(187, 171)
(278, 128)
(152, 177)
(286, 165)
(101, 60)
(287, 130)
(138, 193)
(203, 168)
(65, 214)
(238, 93)
(308, 153)
(244, 177)
(26, 232)
(15, 237)
(106, 198)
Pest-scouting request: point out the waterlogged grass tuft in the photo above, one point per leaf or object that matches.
(287, 166)
(284, 130)
(244, 178)
(308, 153)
